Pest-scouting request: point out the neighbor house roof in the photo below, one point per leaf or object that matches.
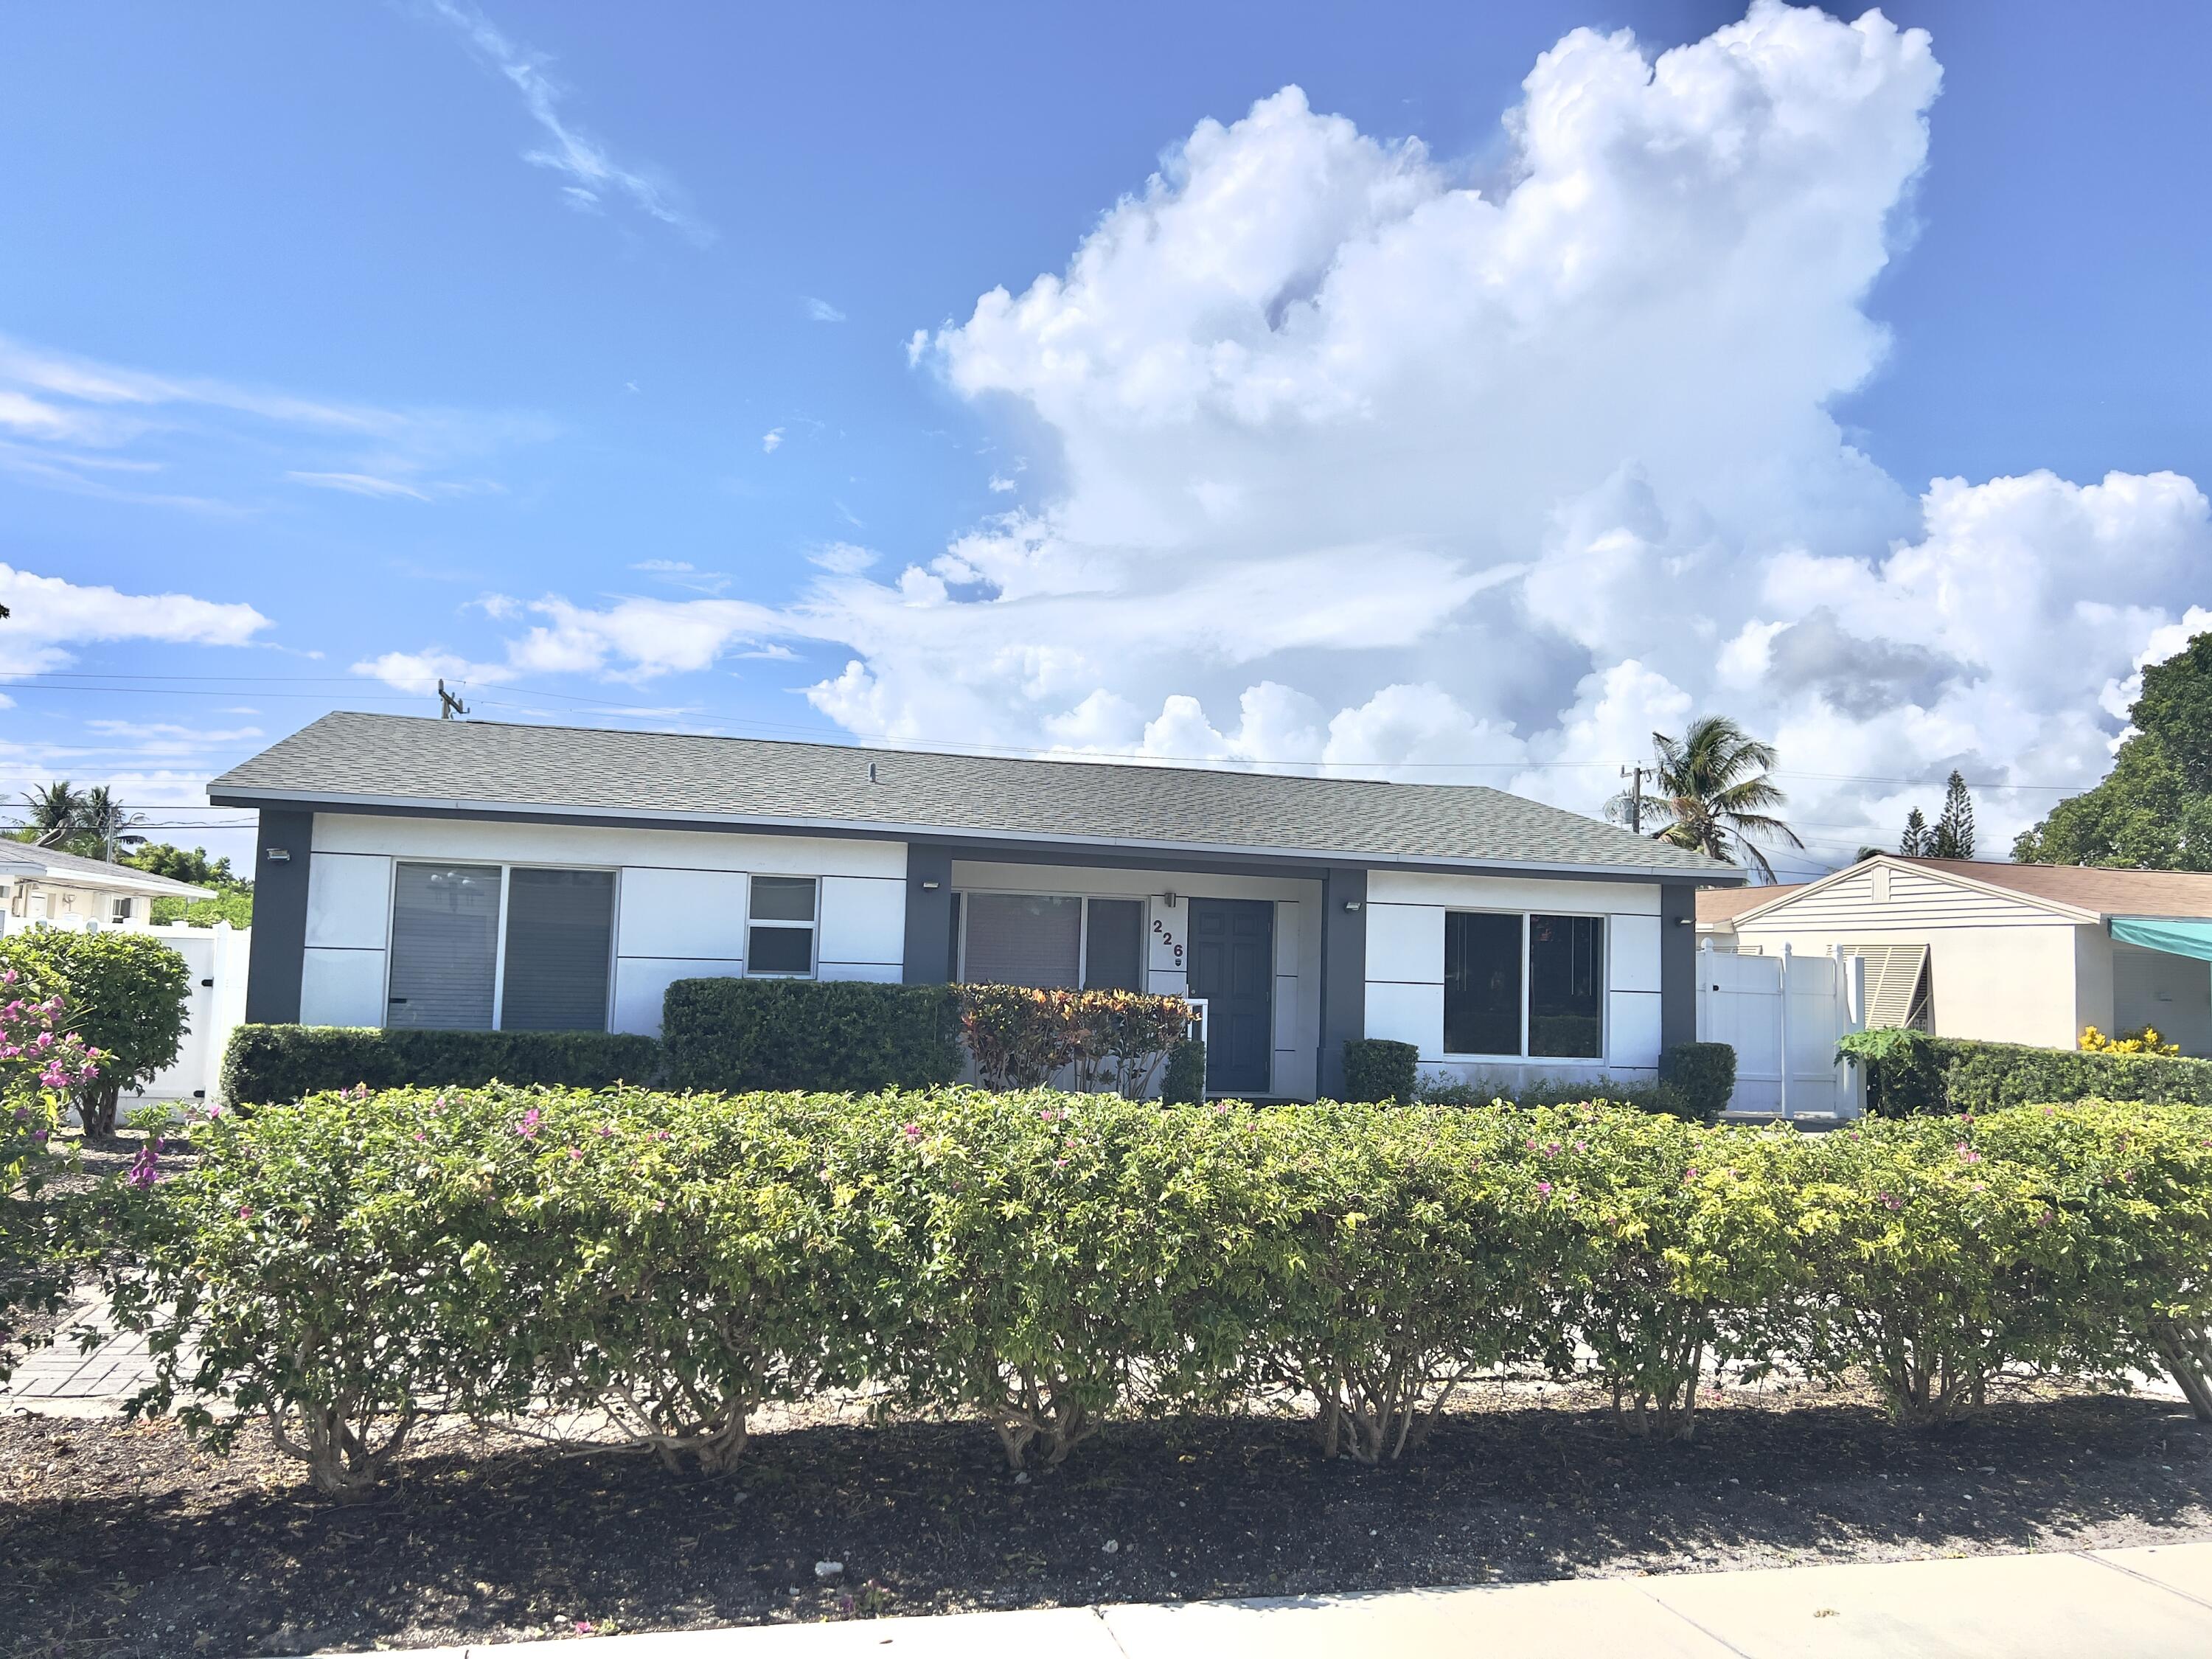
(1719, 905)
(2101, 894)
(371, 760)
(21, 860)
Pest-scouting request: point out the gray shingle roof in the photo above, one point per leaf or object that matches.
(464, 765)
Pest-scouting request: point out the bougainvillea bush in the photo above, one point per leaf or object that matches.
(41, 1061)
(1046, 1261)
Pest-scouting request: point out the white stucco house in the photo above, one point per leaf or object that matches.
(454, 873)
(40, 886)
(2006, 952)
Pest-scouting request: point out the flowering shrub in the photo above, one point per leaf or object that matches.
(1045, 1261)
(40, 1061)
(127, 995)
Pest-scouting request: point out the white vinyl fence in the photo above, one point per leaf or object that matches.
(215, 957)
(1783, 1015)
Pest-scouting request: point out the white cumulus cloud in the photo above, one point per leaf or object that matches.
(49, 614)
(1338, 459)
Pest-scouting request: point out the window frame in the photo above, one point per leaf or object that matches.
(812, 926)
(1528, 919)
(506, 867)
(1082, 931)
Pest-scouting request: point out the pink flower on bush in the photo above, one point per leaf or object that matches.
(912, 1131)
(575, 1154)
(1967, 1154)
(527, 1126)
(1545, 1187)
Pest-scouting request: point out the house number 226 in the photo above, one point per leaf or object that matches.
(1167, 939)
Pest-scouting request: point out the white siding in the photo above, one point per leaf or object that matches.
(342, 988)
(1405, 920)
(680, 898)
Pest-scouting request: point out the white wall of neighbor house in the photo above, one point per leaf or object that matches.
(680, 897)
(1296, 1002)
(2001, 969)
(1405, 919)
(2171, 992)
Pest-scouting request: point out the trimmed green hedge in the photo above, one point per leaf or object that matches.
(1909, 1073)
(1044, 1261)
(1379, 1069)
(267, 1064)
(1183, 1081)
(828, 1035)
(1702, 1076)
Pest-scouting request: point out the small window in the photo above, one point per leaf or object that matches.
(780, 939)
(1482, 984)
(560, 945)
(1566, 974)
(120, 910)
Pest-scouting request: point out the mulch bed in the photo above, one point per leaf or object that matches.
(119, 1539)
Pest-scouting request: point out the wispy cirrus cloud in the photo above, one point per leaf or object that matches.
(820, 310)
(590, 171)
(97, 429)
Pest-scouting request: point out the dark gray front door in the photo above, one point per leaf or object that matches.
(1232, 966)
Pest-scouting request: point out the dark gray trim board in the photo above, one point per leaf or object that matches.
(279, 941)
(1343, 972)
(928, 916)
(1678, 963)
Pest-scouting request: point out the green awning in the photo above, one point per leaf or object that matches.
(2172, 934)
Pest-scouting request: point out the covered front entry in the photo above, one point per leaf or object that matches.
(1232, 966)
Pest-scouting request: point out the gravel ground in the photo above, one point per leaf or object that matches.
(123, 1540)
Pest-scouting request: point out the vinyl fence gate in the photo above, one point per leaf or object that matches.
(1783, 1015)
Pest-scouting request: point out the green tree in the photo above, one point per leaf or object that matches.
(1952, 836)
(189, 864)
(1913, 843)
(126, 994)
(2153, 811)
(233, 904)
(56, 812)
(1711, 793)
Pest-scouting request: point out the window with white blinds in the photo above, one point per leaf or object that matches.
(780, 935)
(445, 946)
(560, 949)
(447, 970)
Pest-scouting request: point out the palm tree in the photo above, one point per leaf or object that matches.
(1710, 793)
(56, 812)
(106, 820)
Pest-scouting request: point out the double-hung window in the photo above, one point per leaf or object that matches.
(781, 917)
(481, 947)
(1520, 986)
(1052, 940)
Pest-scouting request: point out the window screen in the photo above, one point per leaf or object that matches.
(1113, 945)
(780, 939)
(559, 937)
(445, 946)
(1482, 984)
(1566, 976)
(1018, 938)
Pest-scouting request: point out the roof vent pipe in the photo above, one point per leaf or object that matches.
(871, 771)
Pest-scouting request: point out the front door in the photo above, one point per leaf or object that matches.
(1232, 966)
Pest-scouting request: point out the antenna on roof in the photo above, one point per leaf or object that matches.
(448, 704)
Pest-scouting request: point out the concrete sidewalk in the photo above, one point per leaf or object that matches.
(2152, 1603)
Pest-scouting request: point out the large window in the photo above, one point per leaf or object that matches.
(1524, 985)
(1051, 940)
(780, 936)
(480, 946)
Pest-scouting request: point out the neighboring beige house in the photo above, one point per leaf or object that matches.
(2005, 952)
(39, 885)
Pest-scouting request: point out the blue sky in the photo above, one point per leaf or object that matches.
(570, 350)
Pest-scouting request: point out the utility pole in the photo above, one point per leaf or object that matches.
(1635, 797)
(449, 705)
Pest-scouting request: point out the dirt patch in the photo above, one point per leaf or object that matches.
(123, 1540)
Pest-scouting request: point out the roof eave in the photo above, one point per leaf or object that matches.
(220, 794)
